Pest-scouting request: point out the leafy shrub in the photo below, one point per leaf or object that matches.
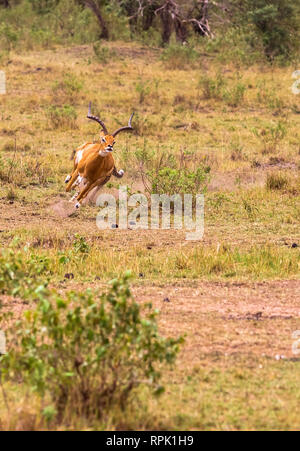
(178, 181)
(269, 97)
(177, 56)
(276, 22)
(216, 87)
(62, 117)
(212, 86)
(86, 353)
(239, 45)
(143, 88)
(20, 273)
(8, 36)
(67, 90)
(234, 96)
(103, 54)
(250, 208)
(80, 245)
(43, 6)
(271, 136)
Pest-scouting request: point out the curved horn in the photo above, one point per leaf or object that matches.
(123, 129)
(95, 118)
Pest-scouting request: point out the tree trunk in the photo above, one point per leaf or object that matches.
(148, 17)
(5, 3)
(166, 26)
(180, 30)
(93, 6)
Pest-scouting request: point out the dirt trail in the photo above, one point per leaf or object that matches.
(256, 318)
(220, 319)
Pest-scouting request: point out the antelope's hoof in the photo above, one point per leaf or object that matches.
(77, 205)
(67, 179)
(121, 173)
(74, 197)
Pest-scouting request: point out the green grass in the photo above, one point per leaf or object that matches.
(238, 395)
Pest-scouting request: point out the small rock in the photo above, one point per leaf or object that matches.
(132, 223)
(167, 300)
(295, 245)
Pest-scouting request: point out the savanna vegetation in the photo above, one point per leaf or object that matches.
(141, 329)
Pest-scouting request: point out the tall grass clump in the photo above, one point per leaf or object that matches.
(177, 56)
(62, 117)
(217, 87)
(67, 90)
(277, 181)
(271, 136)
(103, 54)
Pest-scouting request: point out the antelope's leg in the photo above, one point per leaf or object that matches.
(72, 180)
(119, 174)
(74, 197)
(90, 186)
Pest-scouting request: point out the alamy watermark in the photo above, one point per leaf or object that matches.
(137, 212)
(2, 82)
(2, 343)
(296, 84)
(296, 343)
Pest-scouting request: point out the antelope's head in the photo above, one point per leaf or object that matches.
(107, 140)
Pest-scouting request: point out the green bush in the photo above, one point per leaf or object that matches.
(234, 95)
(143, 88)
(271, 136)
(239, 45)
(62, 117)
(178, 181)
(80, 245)
(43, 6)
(276, 24)
(21, 273)
(8, 36)
(103, 54)
(67, 90)
(212, 86)
(85, 353)
(217, 87)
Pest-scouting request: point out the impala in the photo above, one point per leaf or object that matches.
(93, 162)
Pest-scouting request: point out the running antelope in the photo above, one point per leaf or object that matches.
(93, 162)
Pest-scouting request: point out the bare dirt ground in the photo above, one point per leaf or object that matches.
(256, 318)
(222, 319)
